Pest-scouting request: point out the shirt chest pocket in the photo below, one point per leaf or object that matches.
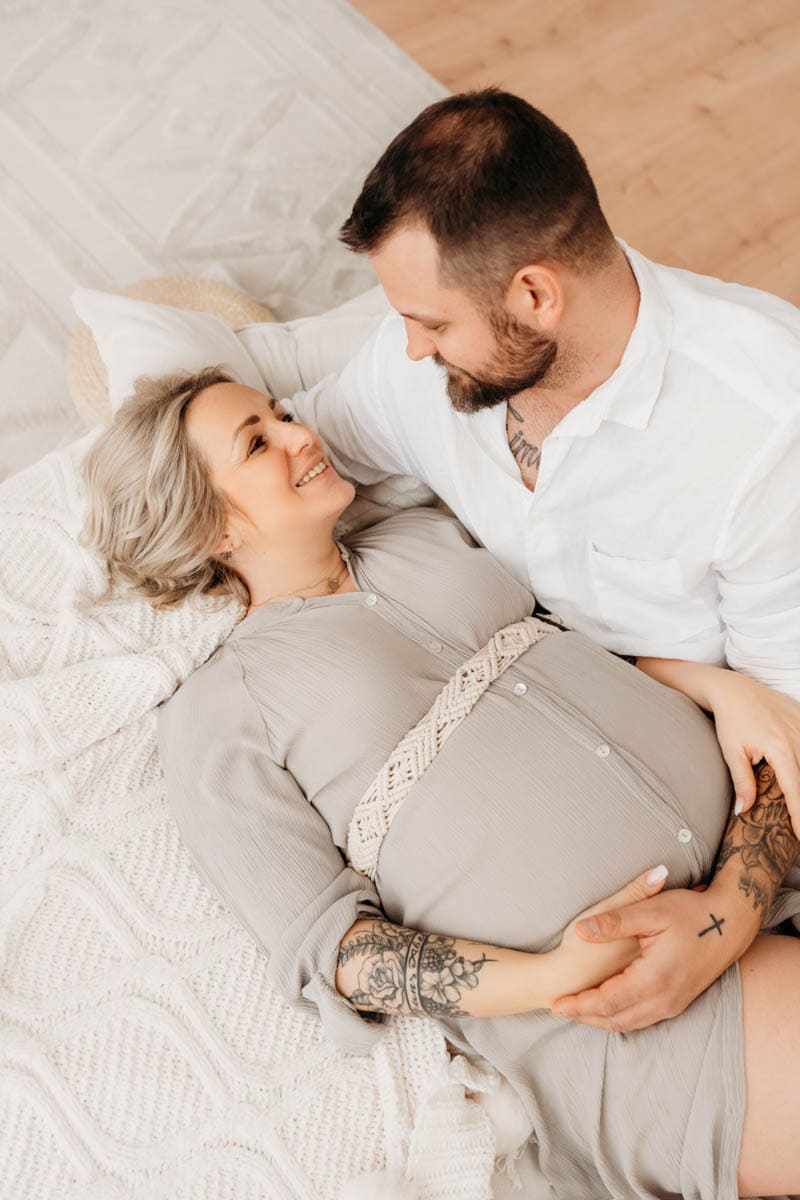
(646, 596)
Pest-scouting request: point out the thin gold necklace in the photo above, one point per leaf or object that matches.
(333, 583)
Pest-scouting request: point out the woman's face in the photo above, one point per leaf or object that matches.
(267, 466)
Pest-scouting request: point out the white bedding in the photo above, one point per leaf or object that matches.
(183, 137)
(139, 1042)
(141, 1053)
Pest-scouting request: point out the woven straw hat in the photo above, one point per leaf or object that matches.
(86, 373)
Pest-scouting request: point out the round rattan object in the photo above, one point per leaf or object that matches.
(86, 373)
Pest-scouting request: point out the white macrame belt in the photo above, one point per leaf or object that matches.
(412, 756)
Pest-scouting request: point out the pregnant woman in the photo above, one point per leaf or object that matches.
(405, 836)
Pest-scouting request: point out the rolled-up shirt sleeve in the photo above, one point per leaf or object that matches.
(758, 567)
(261, 846)
(350, 410)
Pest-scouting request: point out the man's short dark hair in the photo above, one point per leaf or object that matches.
(496, 183)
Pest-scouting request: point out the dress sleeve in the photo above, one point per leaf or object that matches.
(759, 568)
(261, 846)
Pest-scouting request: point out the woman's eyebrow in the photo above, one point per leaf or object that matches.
(253, 419)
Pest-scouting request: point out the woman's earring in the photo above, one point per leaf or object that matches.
(227, 554)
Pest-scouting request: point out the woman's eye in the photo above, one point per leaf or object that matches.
(254, 445)
(287, 417)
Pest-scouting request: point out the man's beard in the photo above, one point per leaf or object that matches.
(522, 359)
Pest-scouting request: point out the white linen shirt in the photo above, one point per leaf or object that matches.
(666, 515)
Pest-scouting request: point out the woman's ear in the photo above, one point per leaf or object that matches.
(536, 297)
(225, 549)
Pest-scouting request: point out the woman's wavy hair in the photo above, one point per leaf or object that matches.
(153, 512)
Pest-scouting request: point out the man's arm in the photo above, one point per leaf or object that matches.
(758, 848)
(757, 565)
(688, 938)
(352, 412)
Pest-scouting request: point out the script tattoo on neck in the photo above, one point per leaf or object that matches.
(526, 454)
(762, 841)
(409, 972)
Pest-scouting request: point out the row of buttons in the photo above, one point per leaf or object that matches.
(435, 647)
(603, 751)
(520, 689)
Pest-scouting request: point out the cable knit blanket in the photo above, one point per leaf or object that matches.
(143, 1054)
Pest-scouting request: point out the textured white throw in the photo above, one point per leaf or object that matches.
(141, 1052)
(414, 753)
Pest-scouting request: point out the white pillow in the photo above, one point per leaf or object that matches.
(135, 337)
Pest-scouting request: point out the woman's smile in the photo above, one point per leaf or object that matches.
(313, 474)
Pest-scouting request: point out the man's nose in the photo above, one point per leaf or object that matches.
(419, 343)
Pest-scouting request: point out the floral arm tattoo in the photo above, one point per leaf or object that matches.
(408, 972)
(761, 841)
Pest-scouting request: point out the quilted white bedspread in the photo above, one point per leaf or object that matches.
(142, 1054)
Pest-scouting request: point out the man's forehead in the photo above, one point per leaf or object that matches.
(407, 265)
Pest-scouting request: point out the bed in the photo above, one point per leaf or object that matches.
(142, 1052)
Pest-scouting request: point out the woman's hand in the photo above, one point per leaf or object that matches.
(755, 722)
(578, 965)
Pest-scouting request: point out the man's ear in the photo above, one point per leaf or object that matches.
(536, 296)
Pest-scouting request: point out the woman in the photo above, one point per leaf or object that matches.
(572, 773)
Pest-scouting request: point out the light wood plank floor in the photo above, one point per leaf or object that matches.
(687, 111)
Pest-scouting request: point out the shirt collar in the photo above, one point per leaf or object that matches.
(629, 395)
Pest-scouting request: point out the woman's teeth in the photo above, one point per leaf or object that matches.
(318, 469)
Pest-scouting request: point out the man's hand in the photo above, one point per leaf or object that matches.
(688, 938)
(686, 942)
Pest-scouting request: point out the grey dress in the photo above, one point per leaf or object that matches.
(540, 804)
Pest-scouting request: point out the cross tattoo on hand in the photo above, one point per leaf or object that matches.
(718, 922)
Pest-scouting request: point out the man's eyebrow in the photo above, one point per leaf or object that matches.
(423, 320)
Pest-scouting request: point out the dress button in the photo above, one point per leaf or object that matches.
(435, 647)
(603, 750)
(520, 689)
(371, 600)
(684, 835)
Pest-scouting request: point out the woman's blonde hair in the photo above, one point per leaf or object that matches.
(153, 512)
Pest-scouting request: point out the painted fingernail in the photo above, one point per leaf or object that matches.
(738, 806)
(657, 874)
(590, 926)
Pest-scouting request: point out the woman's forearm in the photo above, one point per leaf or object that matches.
(389, 968)
(695, 680)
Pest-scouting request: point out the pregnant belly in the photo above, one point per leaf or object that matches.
(531, 812)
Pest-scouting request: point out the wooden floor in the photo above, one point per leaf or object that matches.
(687, 111)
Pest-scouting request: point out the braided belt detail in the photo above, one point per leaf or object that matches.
(415, 752)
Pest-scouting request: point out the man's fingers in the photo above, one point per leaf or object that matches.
(637, 1017)
(605, 1003)
(635, 920)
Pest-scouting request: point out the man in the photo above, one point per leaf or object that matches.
(623, 436)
